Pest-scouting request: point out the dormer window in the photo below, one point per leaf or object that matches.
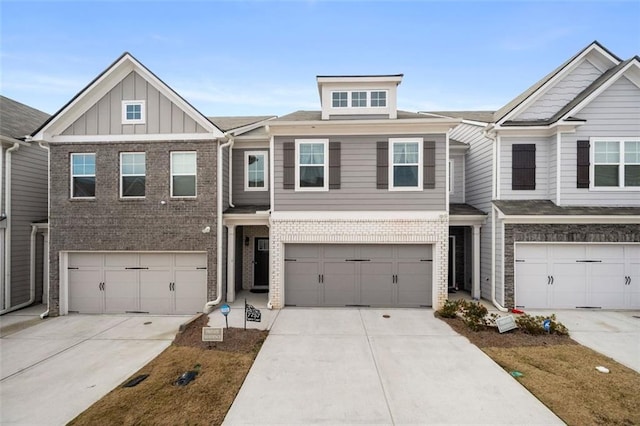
(379, 98)
(340, 99)
(358, 99)
(368, 97)
(133, 112)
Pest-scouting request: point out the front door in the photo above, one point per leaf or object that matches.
(261, 262)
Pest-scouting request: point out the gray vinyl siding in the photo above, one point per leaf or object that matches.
(28, 204)
(358, 191)
(478, 178)
(542, 169)
(240, 196)
(614, 113)
(457, 196)
(562, 93)
(162, 115)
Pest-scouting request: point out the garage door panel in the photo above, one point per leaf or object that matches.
(532, 284)
(414, 283)
(339, 283)
(376, 252)
(84, 291)
(155, 291)
(376, 284)
(83, 260)
(414, 252)
(121, 291)
(569, 285)
(568, 252)
(340, 251)
(302, 251)
(607, 284)
(302, 283)
(121, 260)
(190, 290)
(196, 260)
(155, 260)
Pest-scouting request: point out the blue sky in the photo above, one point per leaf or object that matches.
(260, 57)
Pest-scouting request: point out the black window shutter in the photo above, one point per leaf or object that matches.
(382, 165)
(289, 165)
(582, 165)
(334, 165)
(429, 165)
(523, 167)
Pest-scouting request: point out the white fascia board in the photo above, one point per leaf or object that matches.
(605, 86)
(237, 219)
(358, 216)
(241, 143)
(9, 141)
(552, 81)
(362, 79)
(133, 138)
(249, 127)
(466, 220)
(359, 127)
(562, 219)
(549, 130)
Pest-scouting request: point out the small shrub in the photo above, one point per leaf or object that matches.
(535, 325)
(450, 309)
(473, 315)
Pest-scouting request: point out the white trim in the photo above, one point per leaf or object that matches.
(450, 174)
(621, 164)
(558, 168)
(72, 175)
(358, 216)
(271, 172)
(464, 180)
(265, 171)
(588, 219)
(122, 196)
(498, 174)
(195, 174)
(143, 112)
(420, 164)
(362, 127)
(132, 138)
(325, 143)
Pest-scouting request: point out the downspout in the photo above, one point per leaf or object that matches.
(43, 146)
(231, 173)
(7, 232)
(209, 305)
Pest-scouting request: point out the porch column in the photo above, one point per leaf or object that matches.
(476, 263)
(231, 263)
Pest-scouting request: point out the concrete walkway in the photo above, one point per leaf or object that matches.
(339, 366)
(52, 371)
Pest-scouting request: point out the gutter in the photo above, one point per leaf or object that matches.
(231, 172)
(208, 307)
(46, 147)
(7, 232)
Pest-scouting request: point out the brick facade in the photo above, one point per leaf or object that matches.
(559, 233)
(360, 231)
(109, 223)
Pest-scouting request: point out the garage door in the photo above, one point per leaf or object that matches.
(156, 283)
(358, 275)
(577, 275)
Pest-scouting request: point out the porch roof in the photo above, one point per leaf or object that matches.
(548, 208)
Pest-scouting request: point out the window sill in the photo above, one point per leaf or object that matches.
(80, 199)
(614, 189)
(132, 198)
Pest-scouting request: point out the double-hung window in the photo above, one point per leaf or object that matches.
(616, 163)
(183, 174)
(405, 159)
(83, 175)
(312, 165)
(255, 175)
(132, 174)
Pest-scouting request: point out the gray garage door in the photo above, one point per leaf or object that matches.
(349, 274)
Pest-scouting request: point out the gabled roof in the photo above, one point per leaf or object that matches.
(481, 116)
(548, 208)
(18, 120)
(230, 123)
(104, 82)
(503, 112)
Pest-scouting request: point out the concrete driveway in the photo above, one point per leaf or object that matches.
(52, 371)
(615, 334)
(355, 366)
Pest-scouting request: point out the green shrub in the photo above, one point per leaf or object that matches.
(450, 309)
(535, 325)
(473, 315)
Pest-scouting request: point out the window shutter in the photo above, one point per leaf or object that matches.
(289, 165)
(382, 165)
(429, 165)
(334, 165)
(582, 165)
(523, 167)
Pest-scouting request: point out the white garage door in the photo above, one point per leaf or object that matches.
(358, 275)
(577, 275)
(156, 283)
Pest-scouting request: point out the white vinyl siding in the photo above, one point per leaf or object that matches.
(456, 179)
(542, 169)
(614, 113)
(183, 174)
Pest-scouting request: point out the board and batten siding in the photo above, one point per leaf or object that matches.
(542, 169)
(478, 178)
(614, 113)
(240, 196)
(28, 205)
(562, 92)
(457, 193)
(162, 115)
(358, 191)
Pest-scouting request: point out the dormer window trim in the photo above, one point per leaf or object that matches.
(133, 112)
(353, 99)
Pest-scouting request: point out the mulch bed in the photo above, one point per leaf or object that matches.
(236, 340)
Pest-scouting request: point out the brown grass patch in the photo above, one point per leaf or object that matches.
(206, 400)
(562, 375)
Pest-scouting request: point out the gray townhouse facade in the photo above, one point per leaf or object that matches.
(157, 208)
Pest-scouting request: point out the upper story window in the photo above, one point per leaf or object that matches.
(312, 164)
(523, 167)
(358, 99)
(379, 99)
(340, 99)
(183, 174)
(133, 112)
(83, 175)
(616, 163)
(405, 158)
(132, 174)
(256, 166)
